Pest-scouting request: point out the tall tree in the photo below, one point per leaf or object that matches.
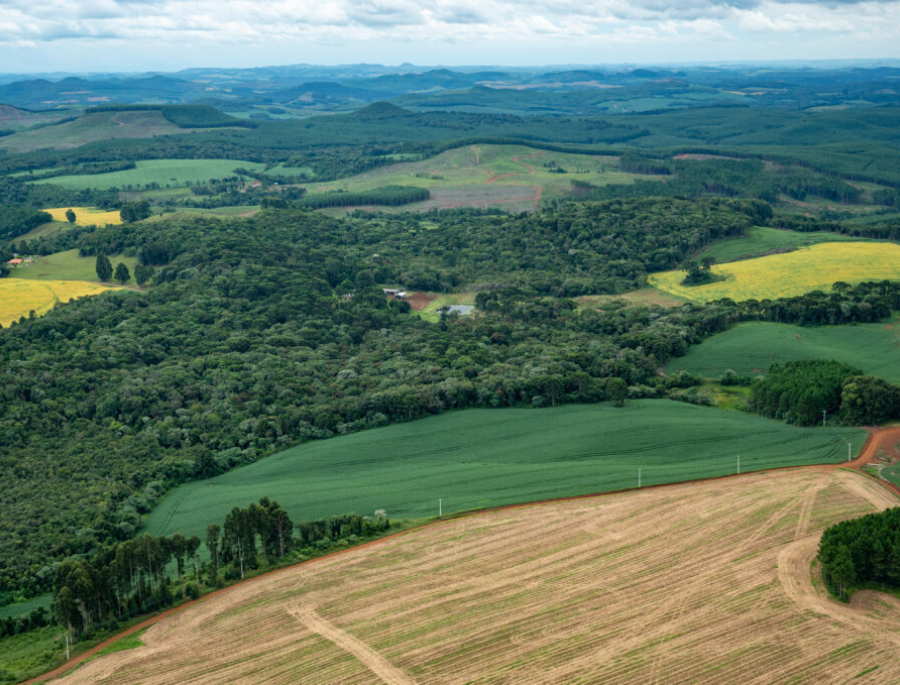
(103, 267)
(70, 216)
(122, 274)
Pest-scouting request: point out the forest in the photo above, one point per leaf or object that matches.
(862, 552)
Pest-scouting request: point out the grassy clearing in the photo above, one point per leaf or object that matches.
(445, 300)
(70, 266)
(513, 177)
(751, 348)
(26, 607)
(688, 584)
(165, 172)
(644, 297)
(48, 230)
(794, 273)
(20, 296)
(479, 458)
(85, 216)
(762, 240)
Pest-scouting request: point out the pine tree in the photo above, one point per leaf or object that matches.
(104, 267)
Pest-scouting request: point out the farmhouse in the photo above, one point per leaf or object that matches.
(395, 293)
(14, 262)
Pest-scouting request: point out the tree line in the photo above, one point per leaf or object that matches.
(814, 391)
(133, 577)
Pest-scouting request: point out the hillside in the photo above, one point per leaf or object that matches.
(688, 584)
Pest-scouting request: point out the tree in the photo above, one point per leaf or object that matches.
(212, 545)
(70, 216)
(122, 274)
(707, 262)
(104, 267)
(143, 273)
(617, 391)
(134, 211)
(841, 570)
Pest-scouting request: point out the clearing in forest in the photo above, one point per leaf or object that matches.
(751, 348)
(486, 457)
(509, 177)
(70, 266)
(698, 583)
(20, 296)
(790, 274)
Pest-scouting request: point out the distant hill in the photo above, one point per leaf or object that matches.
(44, 94)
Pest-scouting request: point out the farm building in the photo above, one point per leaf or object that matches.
(395, 293)
(14, 262)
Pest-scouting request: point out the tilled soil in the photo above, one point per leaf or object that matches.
(705, 582)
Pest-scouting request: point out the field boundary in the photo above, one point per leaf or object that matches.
(877, 438)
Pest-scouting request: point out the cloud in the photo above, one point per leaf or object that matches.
(566, 24)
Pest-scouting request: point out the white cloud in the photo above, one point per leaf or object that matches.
(566, 26)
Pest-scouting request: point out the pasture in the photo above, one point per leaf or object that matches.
(85, 216)
(163, 172)
(751, 348)
(762, 240)
(486, 457)
(794, 273)
(90, 128)
(20, 296)
(704, 583)
(70, 266)
(511, 177)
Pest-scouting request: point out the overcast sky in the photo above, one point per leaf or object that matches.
(139, 35)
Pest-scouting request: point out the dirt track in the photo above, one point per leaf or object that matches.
(807, 527)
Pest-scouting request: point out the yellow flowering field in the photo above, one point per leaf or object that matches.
(85, 216)
(19, 296)
(792, 273)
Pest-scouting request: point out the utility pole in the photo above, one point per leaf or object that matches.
(440, 507)
(639, 478)
(67, 645)
(823, 418)
(848, 452)
(739, 464)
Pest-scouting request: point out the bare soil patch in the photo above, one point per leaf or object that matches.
(418, 301)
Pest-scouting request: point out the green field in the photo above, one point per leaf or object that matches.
(751, 348)
(165, 172)
(70, 266)
(485, 457)
(804, 270)
(511, 177)
(762, 240)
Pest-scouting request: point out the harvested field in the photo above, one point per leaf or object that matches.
(696, 583)
(86, 216)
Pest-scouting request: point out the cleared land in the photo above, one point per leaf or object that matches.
(486, 457)
(70, 266)
(644, 297)
(89, 128)
(750, 349)
(165, 172)
(794, 273)
(20, 296)
(512, 177)
(85, 216)
(762, 240)
(697, 583)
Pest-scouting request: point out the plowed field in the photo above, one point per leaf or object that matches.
(696, 583)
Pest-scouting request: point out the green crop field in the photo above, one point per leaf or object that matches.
(512, 177)
(762, 240)
(816, 267)
(165, 172)
(751, 348)
(70, 266)
(486, 457)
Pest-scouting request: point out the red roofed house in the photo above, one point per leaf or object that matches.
(14, 262)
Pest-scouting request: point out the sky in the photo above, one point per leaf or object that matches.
(167, 35)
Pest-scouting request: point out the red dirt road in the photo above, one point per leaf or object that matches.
(883, 439)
